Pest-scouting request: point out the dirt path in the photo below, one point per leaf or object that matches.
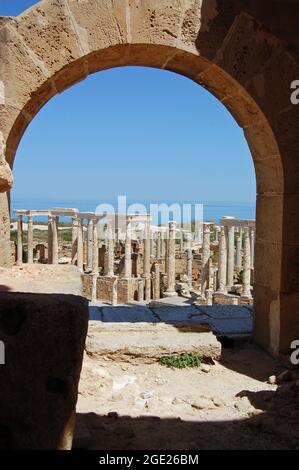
(148, 406)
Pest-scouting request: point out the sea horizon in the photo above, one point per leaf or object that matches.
(212, 210)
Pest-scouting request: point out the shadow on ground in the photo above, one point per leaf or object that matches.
(4, 288)
(275, 427)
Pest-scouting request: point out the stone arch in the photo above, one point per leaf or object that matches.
(222, 47)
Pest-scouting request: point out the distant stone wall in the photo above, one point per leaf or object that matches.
(127, 289)
(226, 299)
(104, 288)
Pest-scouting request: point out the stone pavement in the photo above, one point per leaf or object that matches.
(222, 319)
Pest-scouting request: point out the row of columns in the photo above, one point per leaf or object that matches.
(93, 247)
(227, 256)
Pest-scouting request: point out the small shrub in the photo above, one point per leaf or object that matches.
(66, 235)
(181, 361)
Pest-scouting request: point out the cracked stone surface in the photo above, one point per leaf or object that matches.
(223, 319)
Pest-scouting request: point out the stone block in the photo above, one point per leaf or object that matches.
(99, 24)
(269, 214)
(246, 49)
(155, 21)
(267, 255)
(44, 337)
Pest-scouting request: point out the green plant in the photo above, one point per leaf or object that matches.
(65, 235)
(14, 236)
(181, 361)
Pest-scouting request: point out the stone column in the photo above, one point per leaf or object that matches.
(170, 292)
(159, 246)
(163, 245)
(215, 278)
(110, 251)
(239, 254)
(156, 279)
(205, 258)
(211, 273)
(146, 262)
(182, 242)
(80, 244)
(128, 252)
(189, 254)
(166, 251)
(252, 244)
(230, 256)
(90, 241)
(152, 244)
(114, 291)
(74, 239)
(222, 262)
(209, 297)
(95, 258)
(55, 247)
(241, 236)
(140, 290)
(30, 239)
(246, 292)
(118, 235)
(50, 239)
(95, 248)
(20, 240)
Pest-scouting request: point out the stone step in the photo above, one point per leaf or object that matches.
(147, 342)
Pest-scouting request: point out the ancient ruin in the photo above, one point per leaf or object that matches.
(246, 53)
(142, 262)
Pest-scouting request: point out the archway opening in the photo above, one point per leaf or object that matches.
(137, 136)
(179, 51)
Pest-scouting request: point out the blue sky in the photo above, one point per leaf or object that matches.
(146, 133)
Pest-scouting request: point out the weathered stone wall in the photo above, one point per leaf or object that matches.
(13, 252)
(105, 288)
(5, 259)
(244, 52)
(127, 289)
(87, 285)
(44, 337)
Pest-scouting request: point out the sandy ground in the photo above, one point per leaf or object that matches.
(41, 278)
(148, 406)
(137, 405)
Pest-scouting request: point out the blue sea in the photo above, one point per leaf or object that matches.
(212, 210)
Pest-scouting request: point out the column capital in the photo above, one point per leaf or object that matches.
(207, 227)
